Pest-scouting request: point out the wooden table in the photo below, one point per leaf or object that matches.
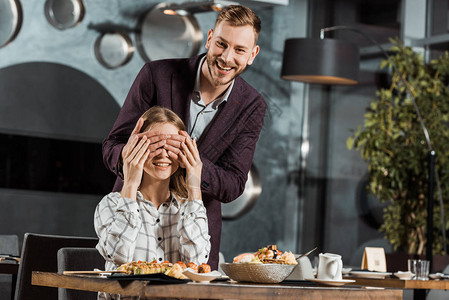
(214, 290)
(13, 269)
(419, 286)
(402, 284)
(9, 268)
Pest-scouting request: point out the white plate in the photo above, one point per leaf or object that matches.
(331, 282)
(436, 276)
(439, 276)
(201, 277)
(404, 275)
(368, 274)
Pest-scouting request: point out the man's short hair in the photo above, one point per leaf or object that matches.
(239, 15)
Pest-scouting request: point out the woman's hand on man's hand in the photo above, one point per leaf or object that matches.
(190, 158)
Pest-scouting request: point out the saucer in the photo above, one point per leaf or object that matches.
(201, 277)
(369, 274)
(331, 282)
(404, 275)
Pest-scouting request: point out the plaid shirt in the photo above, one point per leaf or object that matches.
(131, 230)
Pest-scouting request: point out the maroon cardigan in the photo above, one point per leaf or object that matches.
(226, 146)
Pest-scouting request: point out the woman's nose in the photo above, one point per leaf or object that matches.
(164, 152)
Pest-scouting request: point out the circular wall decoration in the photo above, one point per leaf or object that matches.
(64, 14)
(243, 204)
(10, 20)
(113, 49)
(168, 36)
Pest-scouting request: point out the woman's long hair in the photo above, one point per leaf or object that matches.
(160, 115)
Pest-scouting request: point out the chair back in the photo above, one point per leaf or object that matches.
(9, 244)
(39, 253)
(78, 259)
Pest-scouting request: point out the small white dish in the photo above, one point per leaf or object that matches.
(438, 276)
(345, 271)
(201, 277)
(369, 274)
(435, 276)
(404, 275)
(331, 282)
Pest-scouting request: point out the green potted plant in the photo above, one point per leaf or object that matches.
(393, 144)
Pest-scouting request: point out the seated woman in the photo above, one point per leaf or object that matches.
(159, 213)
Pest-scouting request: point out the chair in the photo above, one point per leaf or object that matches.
(78, 259)
(39, 253)
(9, 244)
(439, 294)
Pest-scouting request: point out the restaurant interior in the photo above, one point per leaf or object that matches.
(66, 67)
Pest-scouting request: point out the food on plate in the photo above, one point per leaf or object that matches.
(176, 272)
(144, 267)
(192, 266)
(167, 268)
(204, 268)
(269, 254)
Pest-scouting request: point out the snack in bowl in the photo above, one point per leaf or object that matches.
(267, 255)
(167, 268)
(267, 265)
(246, 258)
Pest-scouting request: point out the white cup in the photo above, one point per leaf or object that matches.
(329, 267)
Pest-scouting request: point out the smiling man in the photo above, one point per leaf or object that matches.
(221, 110)
(230, 49)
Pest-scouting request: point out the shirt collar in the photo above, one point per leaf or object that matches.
(173, 200)
(196, 89)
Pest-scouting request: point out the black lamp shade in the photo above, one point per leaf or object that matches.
(322, 61)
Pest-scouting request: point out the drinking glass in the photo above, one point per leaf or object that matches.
(420, 268)
(412, 266)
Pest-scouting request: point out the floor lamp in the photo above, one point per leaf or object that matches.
(331, 61)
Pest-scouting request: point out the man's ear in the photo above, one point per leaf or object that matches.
(209, 37)
(253, 54)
